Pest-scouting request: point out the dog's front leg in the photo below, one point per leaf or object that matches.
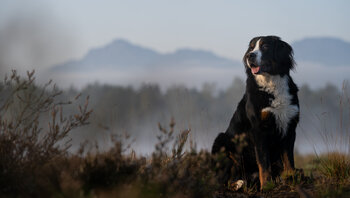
(287, 152)
(263, 159)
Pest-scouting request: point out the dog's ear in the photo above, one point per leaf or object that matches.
(284, 54)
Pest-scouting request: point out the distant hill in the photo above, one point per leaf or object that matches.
(123, 55)
(324, 50)
(124, 63)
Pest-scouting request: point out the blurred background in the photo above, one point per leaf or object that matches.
(145, 62)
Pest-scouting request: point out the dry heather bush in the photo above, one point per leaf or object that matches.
(35, 162)
(110, 168)
(28, 146)
(190, 173)
(169, 172)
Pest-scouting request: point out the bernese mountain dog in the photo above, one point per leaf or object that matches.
(266, 117)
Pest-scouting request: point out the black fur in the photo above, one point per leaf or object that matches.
(266, 151)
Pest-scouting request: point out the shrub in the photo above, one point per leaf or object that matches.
(33, 133)
(167, 173)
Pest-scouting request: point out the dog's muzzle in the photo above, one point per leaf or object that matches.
(252, 63)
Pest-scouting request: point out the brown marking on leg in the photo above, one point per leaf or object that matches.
(264, 175)
(288, 168)
(264, 115)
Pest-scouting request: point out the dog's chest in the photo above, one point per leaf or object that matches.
(280, 106)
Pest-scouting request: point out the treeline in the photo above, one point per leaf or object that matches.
(205, 111)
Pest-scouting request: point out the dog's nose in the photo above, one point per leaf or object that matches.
(251, 55)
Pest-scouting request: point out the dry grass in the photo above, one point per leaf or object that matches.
(335, 166)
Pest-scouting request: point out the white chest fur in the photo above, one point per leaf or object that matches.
(281, 106)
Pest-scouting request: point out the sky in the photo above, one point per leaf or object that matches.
(42, 33)
(67, 29)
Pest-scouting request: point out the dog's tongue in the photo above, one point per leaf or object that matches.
(255, 70)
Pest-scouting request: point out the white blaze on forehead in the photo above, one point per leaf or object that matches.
(257, 51)
(257, 46)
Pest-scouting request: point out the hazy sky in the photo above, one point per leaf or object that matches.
(224, 26)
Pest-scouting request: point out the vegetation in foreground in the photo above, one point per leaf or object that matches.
(34, 162)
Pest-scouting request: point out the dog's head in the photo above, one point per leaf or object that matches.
(268, 55)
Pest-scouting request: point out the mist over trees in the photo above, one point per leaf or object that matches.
(206, 112)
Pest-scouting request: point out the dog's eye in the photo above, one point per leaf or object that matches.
(265, 46)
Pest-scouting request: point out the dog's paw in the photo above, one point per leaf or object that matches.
(235, 185)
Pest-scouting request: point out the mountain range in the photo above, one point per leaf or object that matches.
(326, 51)
(123, 55)
(319, 61)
